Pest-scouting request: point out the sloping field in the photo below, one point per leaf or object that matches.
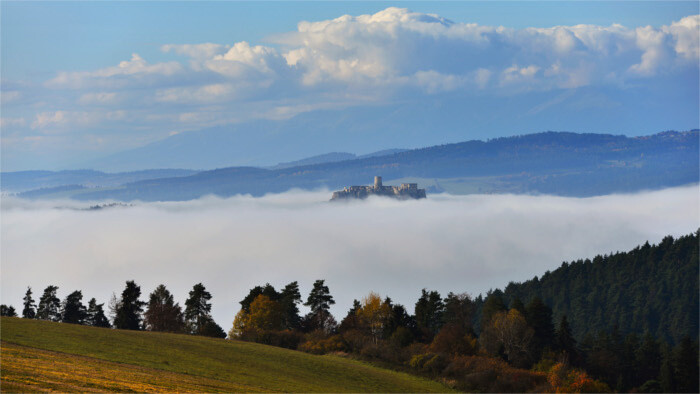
(39, 355)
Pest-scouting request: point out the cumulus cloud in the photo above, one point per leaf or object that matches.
(403, 48)
(394, 55)
(448, 243)
(196, 51)
(397, 42)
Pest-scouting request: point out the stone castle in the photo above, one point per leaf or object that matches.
(403, 192)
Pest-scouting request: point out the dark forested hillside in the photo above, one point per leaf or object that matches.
(652, 288)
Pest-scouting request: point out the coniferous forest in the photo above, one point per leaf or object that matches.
(621, 322)
(652, 288)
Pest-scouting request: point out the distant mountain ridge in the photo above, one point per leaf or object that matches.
(559, 163)
(20, 181)
(333, 157)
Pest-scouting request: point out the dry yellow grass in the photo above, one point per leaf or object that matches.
(40, 355)
(26, 369)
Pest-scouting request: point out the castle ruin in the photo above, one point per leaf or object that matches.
(403, 192)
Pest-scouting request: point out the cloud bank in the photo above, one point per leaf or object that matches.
(391, 56)
(447, 243)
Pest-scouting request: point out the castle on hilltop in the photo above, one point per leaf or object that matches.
(403, 192)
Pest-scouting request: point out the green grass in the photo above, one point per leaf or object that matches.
(253, 366)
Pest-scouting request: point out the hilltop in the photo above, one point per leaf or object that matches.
(40, 355)
(558, 163)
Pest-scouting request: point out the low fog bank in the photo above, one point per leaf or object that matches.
(447, 243)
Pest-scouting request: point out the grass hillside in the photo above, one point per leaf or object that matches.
(40, 355)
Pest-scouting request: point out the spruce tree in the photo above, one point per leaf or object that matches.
(518, 305)
(49, 305)
(163, 313)
(73, 310)
(129, 309)
(96, 315)
(493, 303)
(429, 311)
(565, 342)
(197, 309)
(686, 366)
(539, 317)
(350, 321)
(29, 311)
(8, 311)
(267, 290)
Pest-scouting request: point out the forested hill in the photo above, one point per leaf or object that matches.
(651, 288)
(558, 163)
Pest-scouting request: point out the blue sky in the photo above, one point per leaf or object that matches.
(81, 80)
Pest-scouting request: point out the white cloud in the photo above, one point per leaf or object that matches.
(128, 72)
(242, 60)
(195, 51)
(448, 243)
(56, 121)
(686, 36)
(383, 58)
(98, 98)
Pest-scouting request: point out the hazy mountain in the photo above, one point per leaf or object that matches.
(327, 158)
(558, 163)
(334, 157)
(451, 118)
(28, 180)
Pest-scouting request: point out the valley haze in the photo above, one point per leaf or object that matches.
(447, 243)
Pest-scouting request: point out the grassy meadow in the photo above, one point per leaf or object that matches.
(41, 356)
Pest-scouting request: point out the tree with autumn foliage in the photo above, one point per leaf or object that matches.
(508, 333)
(373, 315)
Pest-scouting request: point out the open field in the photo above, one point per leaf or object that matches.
(39, 355)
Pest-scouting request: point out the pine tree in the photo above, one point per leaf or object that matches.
(647, 359)
(518, 305)
(565, 342)
(686, 366)
(8, 311)
(351, 321)
(29, 311)
(197, 309)
(96, 315)
(267, 290)
(320, 301)
(289, 298)
(459, 310)
(163, 313)
(49, 305)
(129, 308)
(74, 311)
(539, 317)
(493, 304)
(429, 312)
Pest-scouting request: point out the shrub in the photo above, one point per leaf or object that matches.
(335, 343)
(565, 380)
(452, 339)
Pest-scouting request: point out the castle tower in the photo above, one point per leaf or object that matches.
(377, 182)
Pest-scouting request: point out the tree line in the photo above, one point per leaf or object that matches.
(506, 341)
(127, 312)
